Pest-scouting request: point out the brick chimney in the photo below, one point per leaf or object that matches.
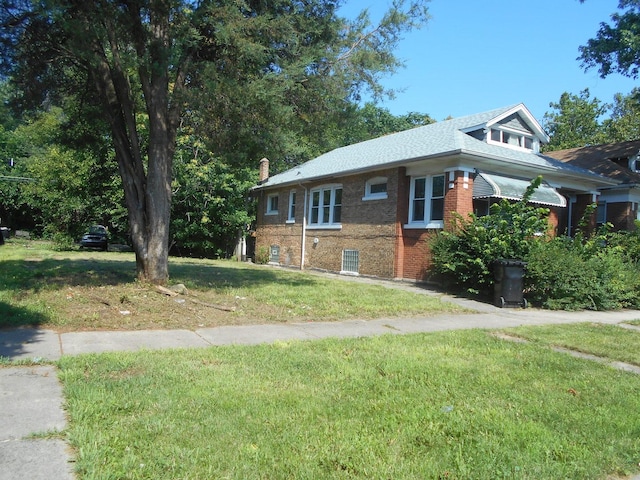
(264, 170)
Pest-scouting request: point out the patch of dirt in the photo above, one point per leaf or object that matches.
(134, 307)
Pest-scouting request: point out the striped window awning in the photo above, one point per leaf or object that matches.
(491, 185)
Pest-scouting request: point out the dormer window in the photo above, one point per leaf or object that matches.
(511, 138)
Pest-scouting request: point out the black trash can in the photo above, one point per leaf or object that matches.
(509, 279)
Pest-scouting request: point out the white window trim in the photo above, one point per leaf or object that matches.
(331, 225)
(374, 196)
(290, 218)
(534, 141)
(269, 197)
(427, 204)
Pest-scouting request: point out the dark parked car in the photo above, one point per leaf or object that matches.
(97, 237)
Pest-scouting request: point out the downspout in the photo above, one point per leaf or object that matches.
(304, 227)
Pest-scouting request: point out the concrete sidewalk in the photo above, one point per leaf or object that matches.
(41, 344)
(31, 397)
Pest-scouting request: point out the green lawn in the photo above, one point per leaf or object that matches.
(598, 339)
(85, 290)
(450, 405)
(453, 405)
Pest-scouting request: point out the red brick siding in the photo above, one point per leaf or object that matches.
(457, 199)
(375, 240)
(414, 253)
(417, 254)
(273, 229)
(579, 208)
(375, 228)
(621, 215)
(554, 219)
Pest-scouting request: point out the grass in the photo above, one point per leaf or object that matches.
(452, 405)
(84, 290)
(607, 341)
(449, 405)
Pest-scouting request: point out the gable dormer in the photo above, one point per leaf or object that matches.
(516, 128)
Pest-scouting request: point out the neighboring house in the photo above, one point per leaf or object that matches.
(371, 208)
(617, 204)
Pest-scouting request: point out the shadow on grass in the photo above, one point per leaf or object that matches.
(224, 276)
(24, 277)
(13, 339)
(36, 275)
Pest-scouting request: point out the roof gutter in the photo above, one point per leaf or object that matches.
(406, 162)
(303, 241)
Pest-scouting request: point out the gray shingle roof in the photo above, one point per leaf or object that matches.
(434, 140)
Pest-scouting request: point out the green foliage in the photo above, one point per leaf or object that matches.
(624, 122)
(575, 122)
(578, 120)
(262, 255)
(616, 48)
(627, 243)
(371, 121)
(596, 272)
(209, 208)
(575, 274)
(73, 186)
(62, 242)
(465, 254)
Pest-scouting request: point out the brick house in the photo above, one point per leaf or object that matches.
(617, 204)
(372, 207)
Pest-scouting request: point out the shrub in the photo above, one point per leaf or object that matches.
(464, 255)
(627, 242)
(262, 255)
(62, 242)
(597, 272)
(571, 274)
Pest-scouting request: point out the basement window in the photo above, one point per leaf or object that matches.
(350, 262)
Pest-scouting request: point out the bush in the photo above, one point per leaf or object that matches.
(464, 255)
(62, 242)
(627, 242)
(262, 255)
(568, 274)
(599, 272)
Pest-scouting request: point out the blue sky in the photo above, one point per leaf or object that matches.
(476, 55)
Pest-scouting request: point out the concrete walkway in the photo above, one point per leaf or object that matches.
(31, 397)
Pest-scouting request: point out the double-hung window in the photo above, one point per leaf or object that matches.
(291, 217)
(325, 209)
(426, 202)
(272, 204)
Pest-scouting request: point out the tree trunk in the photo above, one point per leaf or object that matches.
(147, 191)
(147, 194)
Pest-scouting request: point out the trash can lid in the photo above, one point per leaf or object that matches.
(511, 262)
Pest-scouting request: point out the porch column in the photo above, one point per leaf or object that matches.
(458, 197)
(578, 211)
(402, 216)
